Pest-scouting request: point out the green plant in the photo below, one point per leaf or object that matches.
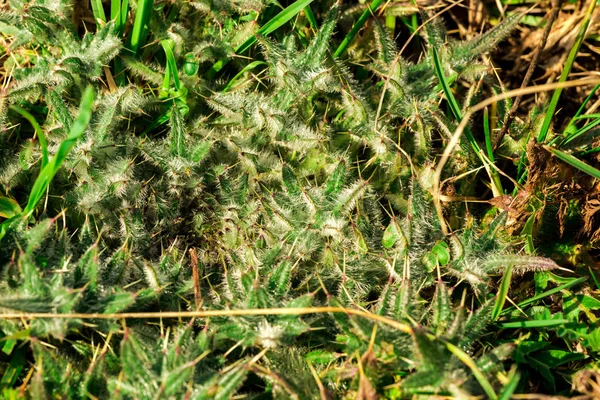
(262, 204)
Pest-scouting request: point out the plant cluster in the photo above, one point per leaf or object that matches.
(227, 156)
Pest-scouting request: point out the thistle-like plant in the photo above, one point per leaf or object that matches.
(290, 181)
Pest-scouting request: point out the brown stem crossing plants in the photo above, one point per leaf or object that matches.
(239, 198)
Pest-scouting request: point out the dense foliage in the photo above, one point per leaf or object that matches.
(190, 156)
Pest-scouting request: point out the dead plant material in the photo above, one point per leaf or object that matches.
(196, 278)
(587, 382)
(559, 184)
(517, 55)
(590, 222)
(559, 42)
(540, 166)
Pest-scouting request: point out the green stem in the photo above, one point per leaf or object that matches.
(488, 135)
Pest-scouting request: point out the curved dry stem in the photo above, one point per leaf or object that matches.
(215, 313)
(467, 116)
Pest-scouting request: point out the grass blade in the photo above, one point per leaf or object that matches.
(541, 323)
(503, 292)
(586, 116)
(140, 25)
(275, 23)
(47, 173)
(488, 135)
(247, 68)
(310, 16)
(565, 73)
(357, 27)
(468, 361)
(9, 207)
(546, 294)
(511, 386)
(455, 108)
(118, 13)
(13, 371)
(587, 100)
(594, 278)
(575, 162)
(98, 11)
(38, 131)
(171, 70)
(581, 131)
(571, 125)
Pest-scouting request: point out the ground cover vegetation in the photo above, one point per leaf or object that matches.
(302, 199)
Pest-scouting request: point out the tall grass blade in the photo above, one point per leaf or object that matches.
(581, 131)
(541, 323)
(546, 294)
(575, 162)
(585, 102)
(565, 73)
(140, 25)
(118, 13)
(594, 278)
(455, 108)
(98, 11)
(357, 27)
(47, 173)
(488, 135)
(502, 293)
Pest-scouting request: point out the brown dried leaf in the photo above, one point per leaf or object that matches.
(366, 391)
